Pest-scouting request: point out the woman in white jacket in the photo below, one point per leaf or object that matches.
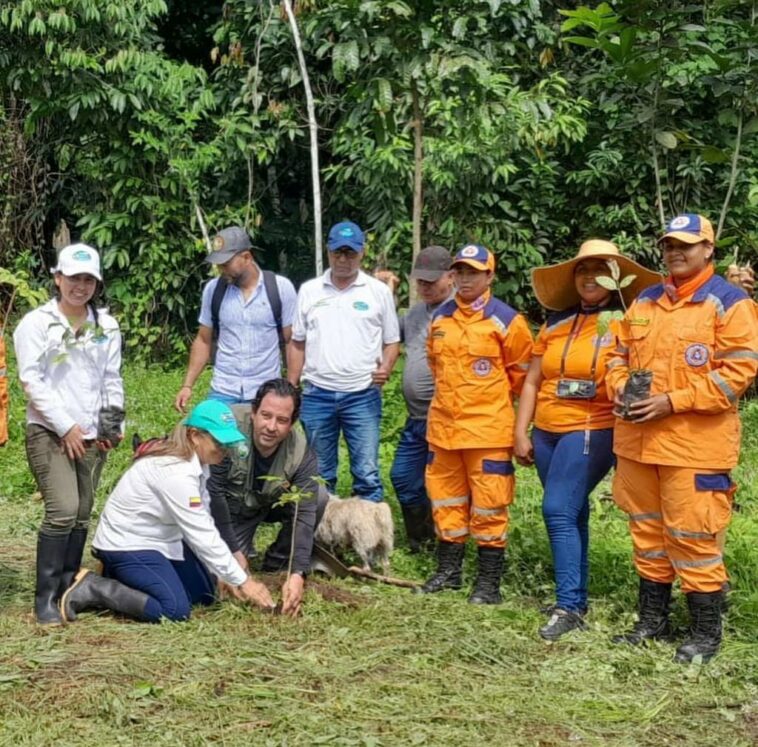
(156, 537)
(69, 359)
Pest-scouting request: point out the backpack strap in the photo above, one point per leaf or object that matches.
(218, 296)
(275, 300)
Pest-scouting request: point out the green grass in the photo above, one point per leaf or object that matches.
(367, 664)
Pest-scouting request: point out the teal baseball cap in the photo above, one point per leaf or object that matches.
(215, 418)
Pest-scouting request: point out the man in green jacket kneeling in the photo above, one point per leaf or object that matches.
(246, 488)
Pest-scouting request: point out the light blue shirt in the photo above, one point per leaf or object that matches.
(247, 353)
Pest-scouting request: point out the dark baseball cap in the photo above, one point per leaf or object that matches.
(431, 264)
(345, 235)
(228, 242)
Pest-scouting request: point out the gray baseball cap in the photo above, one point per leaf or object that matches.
(228, 242)
(431, 264)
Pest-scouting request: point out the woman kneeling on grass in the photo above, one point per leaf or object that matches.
(157, 539)
(698, 336)
(572, 438)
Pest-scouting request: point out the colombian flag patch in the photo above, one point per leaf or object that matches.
(195, 502)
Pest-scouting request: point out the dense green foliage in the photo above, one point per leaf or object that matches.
(540, 123)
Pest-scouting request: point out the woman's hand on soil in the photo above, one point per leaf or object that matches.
(257, 593)
(653, 408)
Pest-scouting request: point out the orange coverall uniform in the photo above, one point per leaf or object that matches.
(3, 394)
(672, 477)
(478, 354)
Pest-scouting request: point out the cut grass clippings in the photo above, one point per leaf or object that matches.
(369, 664)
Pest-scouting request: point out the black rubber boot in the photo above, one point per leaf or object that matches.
(449, 573)
(51, 552)
(72, 560)
(705, 627)
(487, 587)
(90, 591)
(419, 526)
(653, 620)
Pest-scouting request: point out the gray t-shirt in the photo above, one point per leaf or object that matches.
(418, 385)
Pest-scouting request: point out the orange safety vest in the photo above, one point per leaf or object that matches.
(479, 355)
(702, 346)
(569, 346)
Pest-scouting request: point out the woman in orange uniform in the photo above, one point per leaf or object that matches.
(479, 350)
(698, 335)
(564, 392)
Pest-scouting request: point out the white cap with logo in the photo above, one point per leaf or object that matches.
(78, 259)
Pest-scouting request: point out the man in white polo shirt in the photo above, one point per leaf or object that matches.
(345, 341)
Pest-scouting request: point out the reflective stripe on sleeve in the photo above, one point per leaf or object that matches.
(615, 362)
(723, 385)
(748, 355)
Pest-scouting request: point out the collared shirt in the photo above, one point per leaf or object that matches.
(479, 355)
(344, 330)
(68, 379)
(157, 503)
(247, 351)
(571, 336)
(702, 349)
(418, 384)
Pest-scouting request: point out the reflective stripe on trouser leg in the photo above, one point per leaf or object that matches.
(697, 506)
(490, 477)
(636, 491)
(448, 491)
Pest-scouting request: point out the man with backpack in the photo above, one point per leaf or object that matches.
(246, 315)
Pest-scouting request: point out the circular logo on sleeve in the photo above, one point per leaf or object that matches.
(696, 355)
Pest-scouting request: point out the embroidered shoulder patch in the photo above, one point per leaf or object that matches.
(195, 501)
(696, 355)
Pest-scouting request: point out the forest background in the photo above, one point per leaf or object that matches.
(524, 125)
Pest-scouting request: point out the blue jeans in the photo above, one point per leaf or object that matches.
(227, 399)
(407, 473)
(172, 586)
(358, 415)
(568, 476)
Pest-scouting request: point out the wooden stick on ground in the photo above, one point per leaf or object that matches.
(354, 570)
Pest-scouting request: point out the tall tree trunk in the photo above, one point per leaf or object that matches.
(732, 177)
(313, 127)
(418, 180)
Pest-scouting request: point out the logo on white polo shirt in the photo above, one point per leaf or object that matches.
(360, 305)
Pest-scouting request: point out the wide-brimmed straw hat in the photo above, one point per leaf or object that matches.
(554, 285)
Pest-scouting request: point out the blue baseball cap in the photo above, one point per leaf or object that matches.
(215, 418)
(476, 256)
(690, 228)
(345, 235)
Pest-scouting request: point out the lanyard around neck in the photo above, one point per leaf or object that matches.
(566, 347)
